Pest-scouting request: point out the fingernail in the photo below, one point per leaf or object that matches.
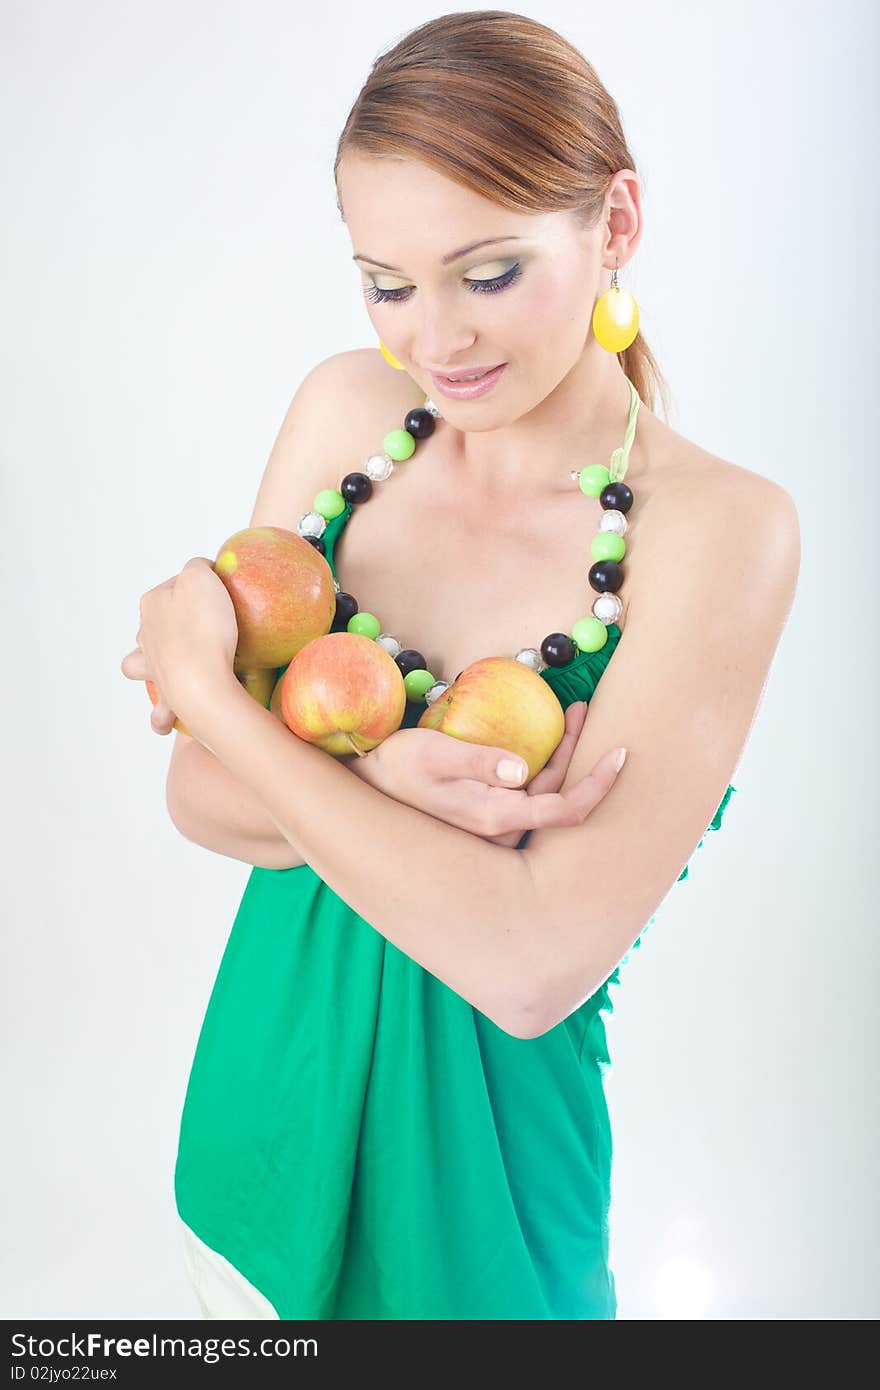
(620, 758)
(510, 771)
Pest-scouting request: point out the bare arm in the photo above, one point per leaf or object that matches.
(459, 906)
(210, 807)
(206, 803)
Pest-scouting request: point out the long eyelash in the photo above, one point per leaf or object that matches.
(400, 296)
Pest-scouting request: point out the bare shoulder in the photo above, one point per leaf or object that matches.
(345, 404)
(753, 490)
(692, 465)
(358, 377)
(718, 531)
(762, 510)
(377, 387)
(734, 511)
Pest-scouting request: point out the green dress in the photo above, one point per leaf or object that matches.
(360, 1142)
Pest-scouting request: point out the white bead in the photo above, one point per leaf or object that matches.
(379, 467)
(613, 520)
(312, 524)
(530, 656)
(390, 644)
(435, 691)
(607, 608)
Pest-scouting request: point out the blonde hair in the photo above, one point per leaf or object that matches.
(505, 106)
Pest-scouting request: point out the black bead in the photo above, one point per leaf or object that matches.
(356, 487)
(617, 496)
(316, 541)
(420, 423)
(410, 660)
(346, 607)
(605, 576)
(557, 649)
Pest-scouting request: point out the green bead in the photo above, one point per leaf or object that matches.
(417, 682)
(589, 634)
(607, 545)
(594, 479)
(328, 503)
(399, 444)
(367, 624)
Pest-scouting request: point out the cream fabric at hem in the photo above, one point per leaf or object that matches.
(221, 1290)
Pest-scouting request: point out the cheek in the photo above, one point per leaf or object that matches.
(547, 305)
(551, 324)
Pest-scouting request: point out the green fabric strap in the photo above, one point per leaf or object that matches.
(620, 457)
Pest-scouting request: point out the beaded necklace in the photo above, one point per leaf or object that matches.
(607, 548)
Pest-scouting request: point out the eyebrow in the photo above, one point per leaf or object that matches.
(445, 260)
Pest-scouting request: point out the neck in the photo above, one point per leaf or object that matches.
(582, 421)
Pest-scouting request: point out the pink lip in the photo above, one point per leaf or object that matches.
(467, 390)
(465, 371)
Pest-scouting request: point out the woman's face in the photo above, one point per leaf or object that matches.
(526, 300)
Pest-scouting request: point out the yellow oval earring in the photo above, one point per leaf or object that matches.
(615, 317)
(392, 361)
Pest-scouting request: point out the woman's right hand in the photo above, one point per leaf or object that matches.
(134, 666)
(458, 782)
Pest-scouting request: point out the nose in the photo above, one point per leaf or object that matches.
(440, 335)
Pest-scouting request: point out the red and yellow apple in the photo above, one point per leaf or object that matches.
(502, 703)
(282, 591)
(344, 693)
(258, 681)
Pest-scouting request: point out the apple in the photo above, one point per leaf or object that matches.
(257, 681)
(344, 693)
(282, 591)
(503, 703)
(275, 702)
(153, 692)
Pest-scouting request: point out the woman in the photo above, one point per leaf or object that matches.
(396, 1106)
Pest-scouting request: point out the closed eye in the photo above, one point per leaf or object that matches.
(399, 296)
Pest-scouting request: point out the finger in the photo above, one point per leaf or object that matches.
(134, 666)
(450, 759)
(504, 813)
(494, 762)
(583, 797)
(552, 774)
(162, 717)
(510, 840)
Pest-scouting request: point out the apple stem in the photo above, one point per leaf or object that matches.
(360, 752)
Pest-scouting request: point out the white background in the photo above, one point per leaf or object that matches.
(174, 264)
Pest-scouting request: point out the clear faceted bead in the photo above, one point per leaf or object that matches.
(430, 406)
(435, 691)
(612, 520)
(575, 474)
(530, 656)
(312, 524)
(379, 467)
(336, 584)
(391, 644)
(607, 608)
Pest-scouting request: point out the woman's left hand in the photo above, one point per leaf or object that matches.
(187, 638)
